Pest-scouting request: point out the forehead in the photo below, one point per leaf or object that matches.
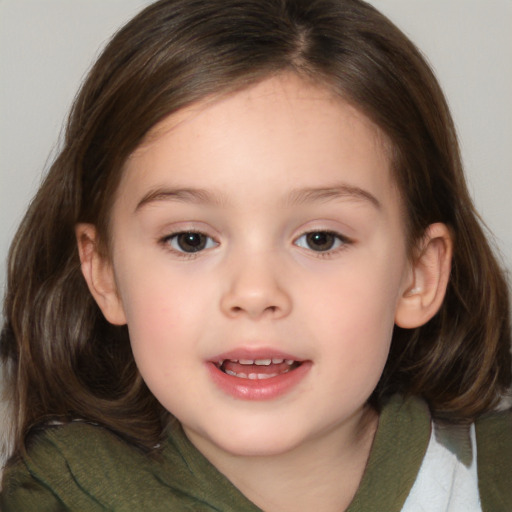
(285, 90)
(283, 129)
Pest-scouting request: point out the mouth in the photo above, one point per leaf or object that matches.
(265, 375)
(257, 369)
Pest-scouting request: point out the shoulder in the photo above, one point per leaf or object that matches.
(78, 467)
(494, 455)
(80, 448)
(42, 478)
(447, 466)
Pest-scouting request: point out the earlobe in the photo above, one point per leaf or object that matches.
(99, 275)
(426, 288)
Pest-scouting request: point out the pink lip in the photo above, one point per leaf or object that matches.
(258, 389)
(260, 353)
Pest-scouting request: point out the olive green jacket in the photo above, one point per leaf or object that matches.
(81, 467)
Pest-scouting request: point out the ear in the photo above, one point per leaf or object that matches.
(99, 274)
(430, 272)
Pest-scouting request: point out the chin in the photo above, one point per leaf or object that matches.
(249, 441)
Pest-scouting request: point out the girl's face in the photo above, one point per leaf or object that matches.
(259, 258)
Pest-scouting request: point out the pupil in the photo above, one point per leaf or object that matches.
(191, 242)
(320, 241)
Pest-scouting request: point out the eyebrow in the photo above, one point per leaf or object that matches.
(340, 191)
(186, 195)
(298, 196)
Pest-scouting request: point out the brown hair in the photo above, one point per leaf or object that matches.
(65, 361)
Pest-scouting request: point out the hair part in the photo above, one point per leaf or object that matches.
(65, 361)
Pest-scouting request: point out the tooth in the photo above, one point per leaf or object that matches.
(253, 376)
(277, 361)
(246, 361)
(233, 374)
(289, 361)
(263, 362)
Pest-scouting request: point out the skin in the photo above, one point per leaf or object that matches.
(272, 163)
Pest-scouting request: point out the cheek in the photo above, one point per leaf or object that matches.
(162, 316)
(362, 297)
(358, 336)
(355, 312)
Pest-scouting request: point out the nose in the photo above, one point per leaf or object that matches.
(255, 289)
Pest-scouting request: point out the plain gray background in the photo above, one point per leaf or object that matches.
(47, 45)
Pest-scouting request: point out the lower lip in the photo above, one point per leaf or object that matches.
(262, 389)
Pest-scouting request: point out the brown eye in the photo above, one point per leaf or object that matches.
(190, 242)
(320, 241)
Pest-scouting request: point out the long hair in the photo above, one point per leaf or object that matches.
(64, 361)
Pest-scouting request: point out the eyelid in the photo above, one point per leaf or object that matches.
(341, 242)
(167, 239)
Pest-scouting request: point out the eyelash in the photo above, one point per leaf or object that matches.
(172, 238)
(339, 242)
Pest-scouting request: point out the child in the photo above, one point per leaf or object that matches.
(253, 279)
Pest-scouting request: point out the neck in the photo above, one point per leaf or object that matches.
(322, 474)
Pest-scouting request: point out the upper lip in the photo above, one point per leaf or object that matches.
(255, 354)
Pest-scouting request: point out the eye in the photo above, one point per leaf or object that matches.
(190, 242)
(321, 241)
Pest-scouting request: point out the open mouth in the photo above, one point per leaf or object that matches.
(264, 375)
(257, 369)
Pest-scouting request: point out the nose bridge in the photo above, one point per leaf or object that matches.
(255, 284)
